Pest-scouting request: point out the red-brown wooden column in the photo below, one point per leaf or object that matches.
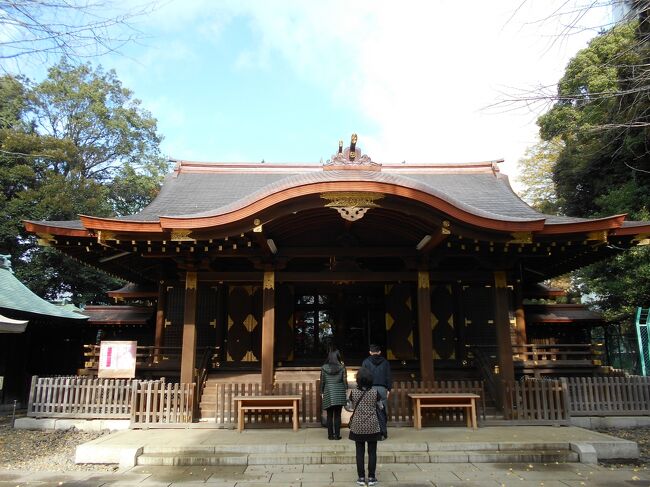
(159, 338)
(424, 326)
(520, 318)
(188, 357)
(268, 330)
(502, 323)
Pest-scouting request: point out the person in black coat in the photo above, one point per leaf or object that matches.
(382, 382)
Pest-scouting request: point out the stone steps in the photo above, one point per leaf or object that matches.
(343, 453)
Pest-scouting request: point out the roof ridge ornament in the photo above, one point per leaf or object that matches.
(5, 262)
(351, 158)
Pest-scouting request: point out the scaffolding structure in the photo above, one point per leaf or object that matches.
(642, 319)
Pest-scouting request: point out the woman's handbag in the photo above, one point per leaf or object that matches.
(349, 404)
(349, 407)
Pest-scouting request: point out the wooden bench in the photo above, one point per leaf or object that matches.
(271, 403)
(444, 401)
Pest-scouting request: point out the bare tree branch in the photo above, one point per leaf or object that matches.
(73, 29)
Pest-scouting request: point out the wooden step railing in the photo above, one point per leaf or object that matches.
(147, 357)
(485, 360)
(558, 354)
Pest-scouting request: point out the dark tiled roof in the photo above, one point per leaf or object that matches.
(560, 313)
(190, 193)
(201, 194)
(118, 315)
(74, 224)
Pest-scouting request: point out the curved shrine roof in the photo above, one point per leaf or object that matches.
(199, 195)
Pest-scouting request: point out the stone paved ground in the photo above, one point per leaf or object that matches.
(402, 475)
(45, 459)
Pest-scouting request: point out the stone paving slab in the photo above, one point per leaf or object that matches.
(313, 475)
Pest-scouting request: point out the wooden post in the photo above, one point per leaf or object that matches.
(159, 339)
(268, 329)
(504, 341)
(188, 354)
(520, 319)
(424, 327)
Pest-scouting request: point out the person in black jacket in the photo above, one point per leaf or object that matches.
(382, 383)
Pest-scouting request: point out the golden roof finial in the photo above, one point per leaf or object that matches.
(353, 143)
(340, 146)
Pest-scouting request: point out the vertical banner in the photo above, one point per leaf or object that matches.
(117, 359)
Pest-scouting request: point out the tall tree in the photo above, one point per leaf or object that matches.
(601, 151)
(603, 167)
(78, 142)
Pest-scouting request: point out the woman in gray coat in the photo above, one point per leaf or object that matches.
(333, 389)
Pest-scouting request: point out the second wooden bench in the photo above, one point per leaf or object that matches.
(445, 401)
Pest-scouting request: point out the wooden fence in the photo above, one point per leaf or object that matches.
(400, 409)
(143, 402)
(158, 404)
(609, 396)
(536, 401)
(79, 397)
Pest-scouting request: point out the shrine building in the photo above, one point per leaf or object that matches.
(269, 265)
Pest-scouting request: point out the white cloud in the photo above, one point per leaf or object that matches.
(422, 72)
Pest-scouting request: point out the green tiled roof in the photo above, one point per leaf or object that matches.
(15, 295)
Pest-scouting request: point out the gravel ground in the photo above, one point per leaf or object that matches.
(43, 450)
(642, 438)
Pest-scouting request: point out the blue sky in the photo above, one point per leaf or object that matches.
(284, 80)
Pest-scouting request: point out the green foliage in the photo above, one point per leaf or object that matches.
(536, 174)
(76, 143)
(91, 109)
(602, 168)
(604, 146)
(619, 284)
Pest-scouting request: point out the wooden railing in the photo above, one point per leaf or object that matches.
(158, 404)
(79, 397)
(146, 357)
(565, 353)
(400, 409)
(609, 396)
(536, 401)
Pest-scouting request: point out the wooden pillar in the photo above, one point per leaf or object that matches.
(188, 357)
(268, 330)
(159, 338)
(502, 323)
(424, 326)
(520, 319)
